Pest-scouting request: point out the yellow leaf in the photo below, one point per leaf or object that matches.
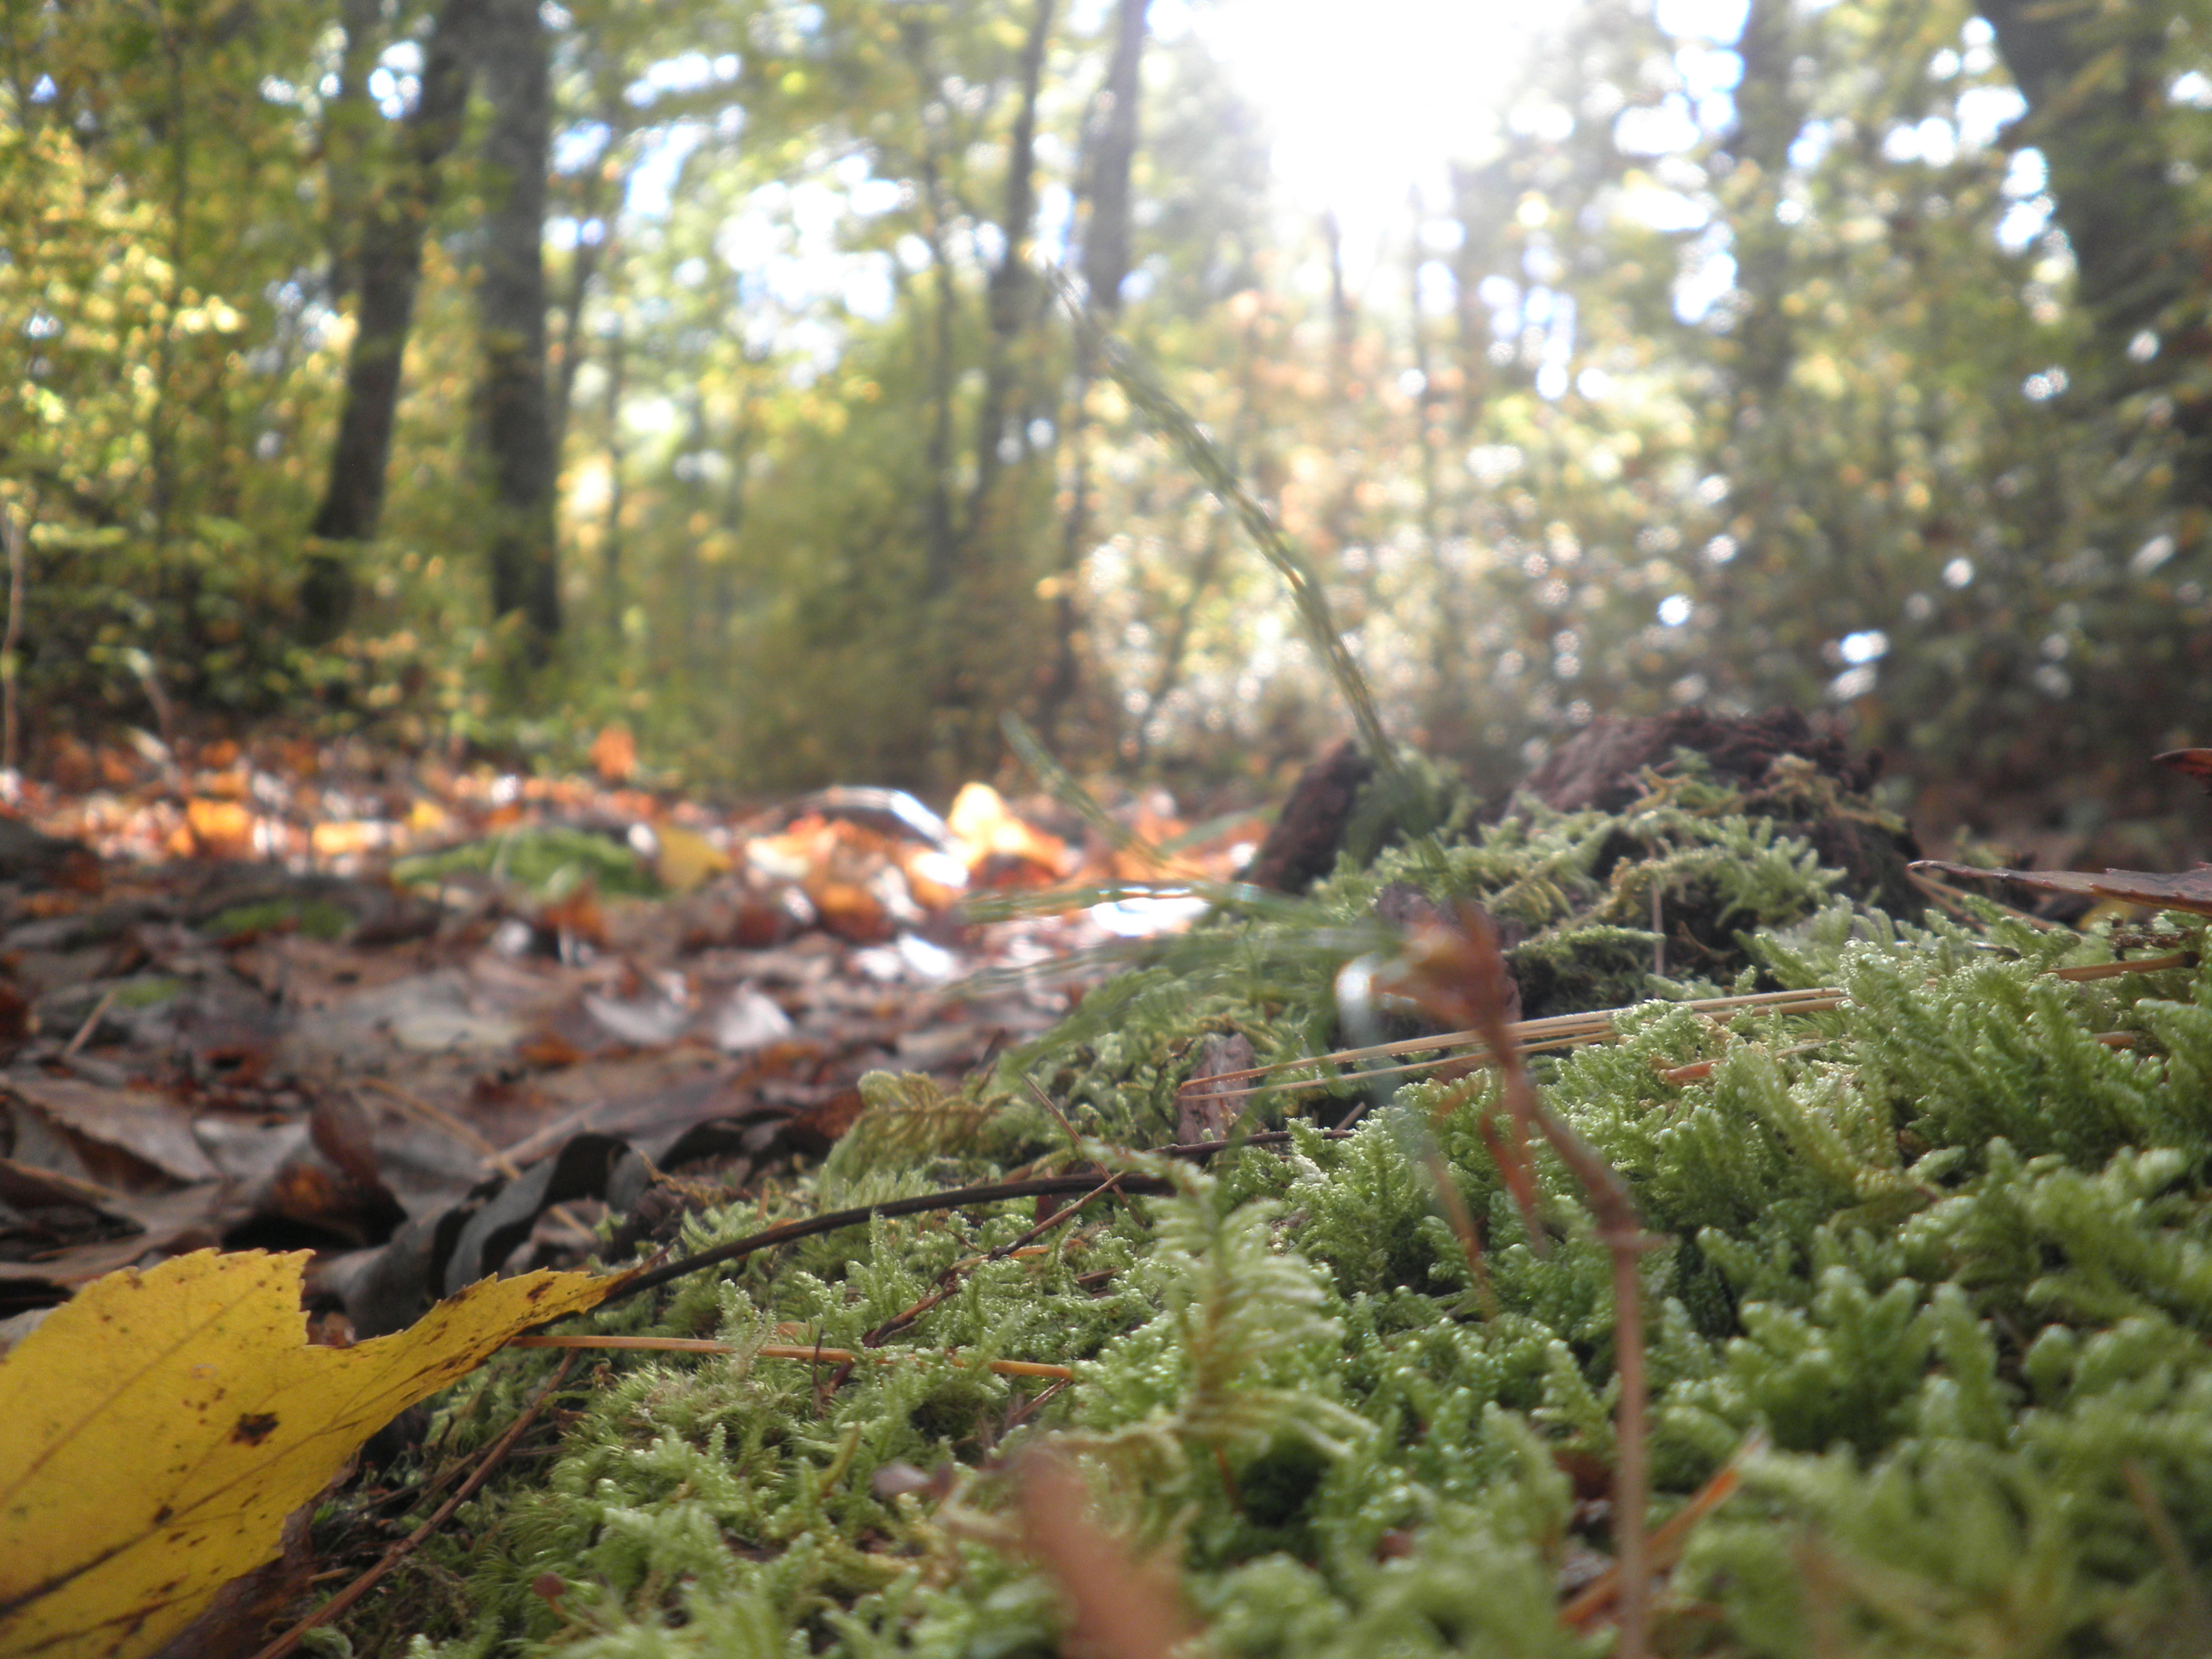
(687, 858)
(161, 1426)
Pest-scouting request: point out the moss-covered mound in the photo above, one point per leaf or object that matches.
(1937, 1272)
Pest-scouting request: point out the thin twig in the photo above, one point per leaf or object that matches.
(490, 1155)
(2114, 970)
(407, 1545)
(1935, 889)
(807, 1351)
(1534, 1036)
(808, 1227)
(2173, 1552)
(1667, 1540)
(91, 1023)
(1458, 972)
(11, 533)
(956, 1197)
(949, 1280)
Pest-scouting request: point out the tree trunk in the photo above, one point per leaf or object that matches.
(1482, 203)
(1106, 258)
(1010, 303)
(1113, 151)
(1754, 452)
(388, 270)
(350, 123)
(611, 546)
(516, 426)
(606, 180)
(2095, 79)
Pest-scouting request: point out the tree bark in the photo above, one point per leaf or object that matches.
(1113, 151)
(2094, 79)
(516, 425)
(1010, 303)
(350, 122)
(1106, 258)
(388, 272)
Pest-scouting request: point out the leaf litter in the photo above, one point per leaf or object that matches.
(1734, 910)
(213, 956)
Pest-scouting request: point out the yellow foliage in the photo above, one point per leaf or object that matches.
(161, 1427)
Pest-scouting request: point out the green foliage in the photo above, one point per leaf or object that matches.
(551, 860)
(1943, 1253)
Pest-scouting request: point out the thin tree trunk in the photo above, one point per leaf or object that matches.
(584, 264)
(349, 122)
(1113, 151)
(517, 428)
(1011, 304)
(1753, 452)
(2096, 80)
(1448, 641)
(943, 536)
(389, 271)
(1105, 265)
(1178, 641)
(610, 545)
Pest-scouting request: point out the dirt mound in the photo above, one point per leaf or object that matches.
(1601, 766)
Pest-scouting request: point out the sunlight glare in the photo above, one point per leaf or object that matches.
(1367, 104)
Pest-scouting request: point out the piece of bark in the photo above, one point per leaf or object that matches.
(1302, 847)
(1201, 1114)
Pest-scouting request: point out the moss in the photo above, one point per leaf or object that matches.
(316, 918)
(548, 860)
(1947, 1248)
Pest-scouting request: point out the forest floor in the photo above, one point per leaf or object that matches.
(290, 996)
(432, 1023)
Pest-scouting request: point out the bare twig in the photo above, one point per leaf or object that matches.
(956, 1197)
(1459, 973)
(2196, 1609)
(1534, 1035)
(949, 1281)
(807, 1351)
(1667, 1540)
(91, 1023)
(407, 1545)
(808, 1227)
(12, 535)
(1118, 1607)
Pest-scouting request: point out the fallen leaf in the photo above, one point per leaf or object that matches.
(984, 826)
(614, 754)
(220, 829)
(151, 1128)
(2189, 890)
(685, 859)
(750, 1019)
(163, 1424)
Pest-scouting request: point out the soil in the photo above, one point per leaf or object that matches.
(1603, 768)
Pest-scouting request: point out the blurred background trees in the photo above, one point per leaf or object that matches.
(491, 369)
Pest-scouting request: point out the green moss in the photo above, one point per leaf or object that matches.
(1948, 1249)
(316, 918)
(548, 860)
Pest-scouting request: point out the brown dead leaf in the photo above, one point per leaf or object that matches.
(614, 754)
(153, 1128)
(2189, 890)
(163, 1424)
(2195, 764)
